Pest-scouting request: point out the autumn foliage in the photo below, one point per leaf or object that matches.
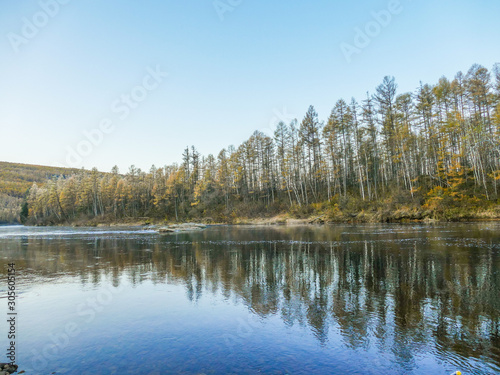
(433, 153)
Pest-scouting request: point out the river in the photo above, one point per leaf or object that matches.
(340, 299)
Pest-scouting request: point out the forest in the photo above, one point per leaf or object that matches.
(16, 180)
(431, 154)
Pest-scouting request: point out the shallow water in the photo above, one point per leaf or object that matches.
(346, 299)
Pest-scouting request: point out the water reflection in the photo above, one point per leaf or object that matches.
(404, 290)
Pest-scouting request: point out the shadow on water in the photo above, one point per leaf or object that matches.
(402, 289)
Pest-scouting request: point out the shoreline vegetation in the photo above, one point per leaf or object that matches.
(402, 216)
(430, 155)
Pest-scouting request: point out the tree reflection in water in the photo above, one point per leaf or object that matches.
(400, 289)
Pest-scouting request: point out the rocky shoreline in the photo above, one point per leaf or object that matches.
(181, 228)
(7, 368)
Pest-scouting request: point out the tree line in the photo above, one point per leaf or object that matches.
(435, 148)
(15, 182)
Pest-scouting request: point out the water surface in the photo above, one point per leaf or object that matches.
(344, 299)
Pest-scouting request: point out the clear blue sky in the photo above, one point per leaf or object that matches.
(226, 76)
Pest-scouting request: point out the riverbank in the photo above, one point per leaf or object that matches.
(400, 216)
(326, 216)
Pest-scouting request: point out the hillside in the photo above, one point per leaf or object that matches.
(430, 154)
(16, 179)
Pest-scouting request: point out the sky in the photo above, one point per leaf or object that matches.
(101, 83)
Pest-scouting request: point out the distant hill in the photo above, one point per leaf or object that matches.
(16, 179)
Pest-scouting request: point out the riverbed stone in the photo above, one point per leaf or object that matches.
(181, 228)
